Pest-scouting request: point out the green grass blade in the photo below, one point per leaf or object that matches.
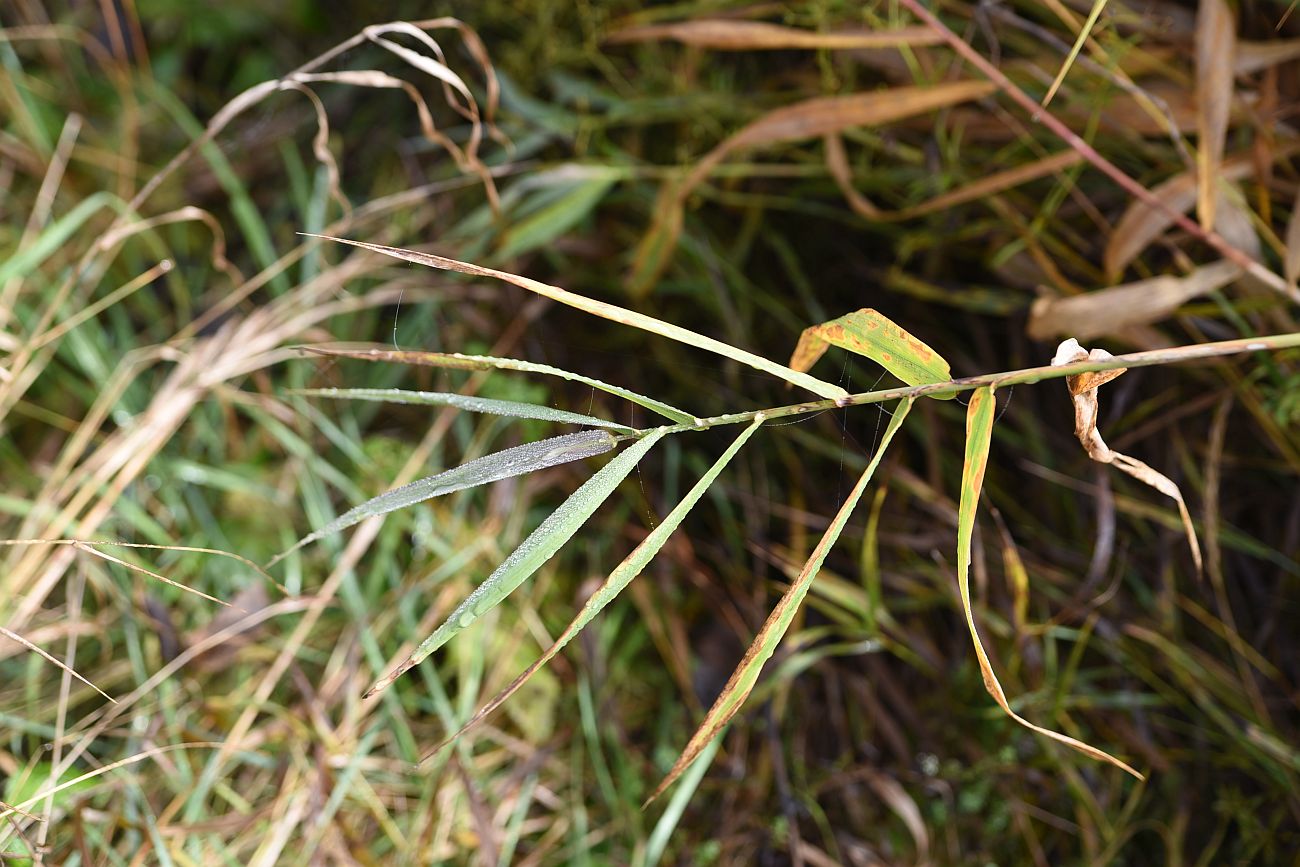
(979, 433)
(608, 311)
(55, 236)
(616, 582)
(677, 804)
(879, 338)
(510, 408)
(489, 468)
(1084, 32)
(552, 221)
(742, 680)
(540, 546)
(457, 361)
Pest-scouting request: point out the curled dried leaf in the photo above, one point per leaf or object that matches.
(1083, 392)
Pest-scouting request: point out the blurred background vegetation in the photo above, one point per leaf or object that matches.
(150, 405)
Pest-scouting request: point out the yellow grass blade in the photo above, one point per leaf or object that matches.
(874, 335)
(742, 680)
(979, 432)
(608, 311)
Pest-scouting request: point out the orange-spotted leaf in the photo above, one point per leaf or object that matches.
(879, 338)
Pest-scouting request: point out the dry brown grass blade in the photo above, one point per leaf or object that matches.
(1216, 36)
(837, 164)
(804, 120)
(14, 636)
(1141, 223)
(979, 431)
(608, 311)
(724, 34)
(1111, 310)
(1055, 125)
(1251, 57)
(1291, 261)
(1083, 393)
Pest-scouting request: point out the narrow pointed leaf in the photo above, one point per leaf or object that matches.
(867, 332)
(617, 581)
(489, 468)
(1216, 38)
(540, 546)
(608, 311)
(552, 221)
(457, 361)
(979, 432)
(510, 408)
(746, 674)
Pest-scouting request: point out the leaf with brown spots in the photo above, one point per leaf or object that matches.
(867, 332)
(979, 433)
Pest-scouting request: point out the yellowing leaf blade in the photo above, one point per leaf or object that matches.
(979, 432)
(742, 680)
(605, 310)
(869, 333)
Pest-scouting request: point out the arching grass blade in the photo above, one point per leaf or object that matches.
(511, 408)
(457, 361)
(742, 680)
(608, 311)
(617, 581)
(539, 547)
(979, 432)
(489, 468)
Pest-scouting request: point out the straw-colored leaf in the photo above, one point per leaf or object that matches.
(1109, 311)
(804, 120)
(608, 311)
(515, 461)
(1216, 36)
(867, 332)
(979, 431)
(511, 408)
(732, 35)
(1252, 57)
(617, 580)
(14, 636)
(1142, 223)
(1291, 261)
(742, 680)
(1087, 408)
(540, 546)
(457, 361)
